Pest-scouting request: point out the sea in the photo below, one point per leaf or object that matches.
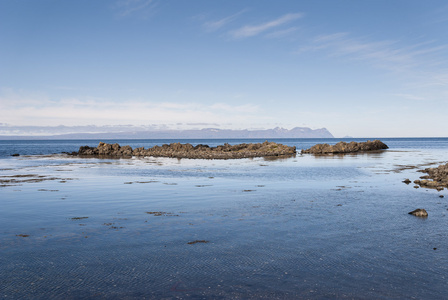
(300, 227)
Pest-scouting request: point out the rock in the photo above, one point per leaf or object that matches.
(178, 150)
(419, 212)
(197, 241)
(15, 154)
(407, 181)
(437, 178)
(343, 147)
(441, 196)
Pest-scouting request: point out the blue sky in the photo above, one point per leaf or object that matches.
(358, 68)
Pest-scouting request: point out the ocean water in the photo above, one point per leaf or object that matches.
(304, 227)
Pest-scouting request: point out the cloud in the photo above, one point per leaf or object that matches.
(129, 7)
(282, 33)
(409, 97)
(215, 25)
(439, 15)
(418, 65)
(330, 37)
(246, 108)
(20, 109)
(253, 30)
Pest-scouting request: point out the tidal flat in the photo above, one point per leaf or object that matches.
(308, 227)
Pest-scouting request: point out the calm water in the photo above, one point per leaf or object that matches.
(304, 227)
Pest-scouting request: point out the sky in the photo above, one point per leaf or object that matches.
(358, 68)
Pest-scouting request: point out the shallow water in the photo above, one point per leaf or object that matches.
(301, 227)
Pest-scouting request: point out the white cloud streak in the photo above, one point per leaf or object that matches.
(215, 25)
(282, 33)
(129, 7)
(385, 54)
(420, 65)
(410, 97)
(253, 30)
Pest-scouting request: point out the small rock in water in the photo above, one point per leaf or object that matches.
(441, 196)
(23, 235)
(407, 181)
(15, 154)
(419, 212)
(197, 241)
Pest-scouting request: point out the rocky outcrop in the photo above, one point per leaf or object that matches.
(178, 150)
(437, 178)
(419, 212)
(343, 147)
(104, 149)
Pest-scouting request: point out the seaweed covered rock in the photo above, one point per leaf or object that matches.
(343, 147)
(437, 178)
(178, 150)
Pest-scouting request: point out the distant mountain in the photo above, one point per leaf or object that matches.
(206, 133)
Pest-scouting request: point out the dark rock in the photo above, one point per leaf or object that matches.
(15, 154)
(343, 147)
(197, 241)
(407, 181)
(23, 235)
(441, 196)
(419, 212)
(71, 153)
(437, 178)
(178, 150)
(86, 150)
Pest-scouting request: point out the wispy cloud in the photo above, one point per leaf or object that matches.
(26, 109)
(128, 7)
(244, 109)
(385, 54)
(439, 15)
(410, 97)
(282, 33)
(419, 65)
(253, 30)
(211, 26)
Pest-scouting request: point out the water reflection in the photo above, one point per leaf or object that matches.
(378, 154)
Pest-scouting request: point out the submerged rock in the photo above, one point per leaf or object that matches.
(343, 147)
(178, 150)
(419, 212)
